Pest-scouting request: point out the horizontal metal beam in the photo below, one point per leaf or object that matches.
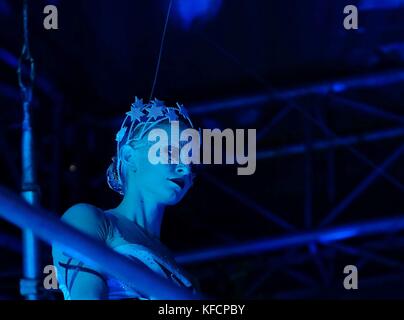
(335, 86)
(376, 111)
(332, 143)
(263, 98)
(48, 227)
(293, 240)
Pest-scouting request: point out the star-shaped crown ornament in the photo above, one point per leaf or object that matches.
(144, 116)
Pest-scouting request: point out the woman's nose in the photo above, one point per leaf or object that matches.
(182, 169)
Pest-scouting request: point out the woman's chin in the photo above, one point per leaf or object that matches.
(172, 198)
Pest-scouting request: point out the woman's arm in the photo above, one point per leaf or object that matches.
(80, 281)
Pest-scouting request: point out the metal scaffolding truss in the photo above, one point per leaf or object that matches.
(318, 240)
(315, 238)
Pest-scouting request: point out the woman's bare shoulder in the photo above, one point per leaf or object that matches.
(86, 217)
(83, 211)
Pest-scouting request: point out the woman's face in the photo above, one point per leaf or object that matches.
(166, 184)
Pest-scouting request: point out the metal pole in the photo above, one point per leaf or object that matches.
(48, 227)
(30, 192)
(29, 189)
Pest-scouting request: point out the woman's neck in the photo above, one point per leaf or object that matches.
(143, 211)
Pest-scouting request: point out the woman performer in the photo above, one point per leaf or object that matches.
(133, 227)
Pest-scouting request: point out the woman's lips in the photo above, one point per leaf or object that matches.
(179, 182)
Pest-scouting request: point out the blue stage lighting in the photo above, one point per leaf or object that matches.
(189, 10)
(5, 9)
(377, 4)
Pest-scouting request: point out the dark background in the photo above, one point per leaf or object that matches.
(327, 104)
